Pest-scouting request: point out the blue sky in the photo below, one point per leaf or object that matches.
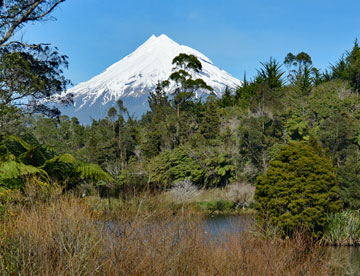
(235, 35)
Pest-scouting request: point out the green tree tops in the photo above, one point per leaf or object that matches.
(185, 66)
(348, 67)
(301, 71)
(298, 190)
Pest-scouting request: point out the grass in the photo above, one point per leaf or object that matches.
(343, 229)
(70, 236)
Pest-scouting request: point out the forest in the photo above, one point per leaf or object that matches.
(213, 141)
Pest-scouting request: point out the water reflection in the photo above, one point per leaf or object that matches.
(217, 227)
(347, 258)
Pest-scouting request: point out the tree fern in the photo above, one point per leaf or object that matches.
(66, 166)
(11, 173)
(15, 145)
(34, 156)
(19, 159)
(93, 172)
(61, 167)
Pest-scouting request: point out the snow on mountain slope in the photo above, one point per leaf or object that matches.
(138, 73)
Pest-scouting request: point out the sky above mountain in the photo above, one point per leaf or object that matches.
(235, 35)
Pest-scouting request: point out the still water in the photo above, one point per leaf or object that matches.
(218, 226)
(347, 257)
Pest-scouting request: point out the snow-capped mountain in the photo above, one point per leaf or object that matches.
(133, 77)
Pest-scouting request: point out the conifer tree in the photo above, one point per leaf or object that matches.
(298, 190)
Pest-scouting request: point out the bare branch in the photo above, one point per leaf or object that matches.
(47, 12)
(21, 20)
(32, 46)
(27, 17)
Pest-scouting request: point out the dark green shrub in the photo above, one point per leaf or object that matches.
(349, 180)
(298, 190)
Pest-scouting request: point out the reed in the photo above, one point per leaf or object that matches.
(343, 229)
(68, 237)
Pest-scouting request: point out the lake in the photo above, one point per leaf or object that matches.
(218, 226)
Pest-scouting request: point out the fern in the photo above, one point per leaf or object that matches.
(19, 159)
(61, 167)
(65, 158)
(93, 172)
(66, 165)
(15, 145)
(12, 171)
(5, 155)
(34, 156)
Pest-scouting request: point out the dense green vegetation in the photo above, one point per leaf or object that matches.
(298, 190)
(21, 160)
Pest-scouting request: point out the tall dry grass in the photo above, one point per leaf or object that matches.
(66, 237)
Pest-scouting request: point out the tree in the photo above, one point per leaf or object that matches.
(227, 98)
(271, 74)
(298, 190)
(245, 93)
(30, 74)
(14, 14)
(184, 66)
(210, 121)
(161, 127)
(264, 91)
(158, 100)
(120, 127)
(348, 67)
(203, 166)
(301, 71)
(257, 135)
(349, 180)
(112, 112)
(353, 60)
(336, 133)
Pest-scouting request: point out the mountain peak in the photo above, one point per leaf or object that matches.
(160, 37)
(137, 74)
(164, 37)
(158, 41)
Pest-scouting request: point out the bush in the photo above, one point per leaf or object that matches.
(349, 180)
(184, 191)
(218, 205)
(343, 229)
(298, 190)
(204, 168)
